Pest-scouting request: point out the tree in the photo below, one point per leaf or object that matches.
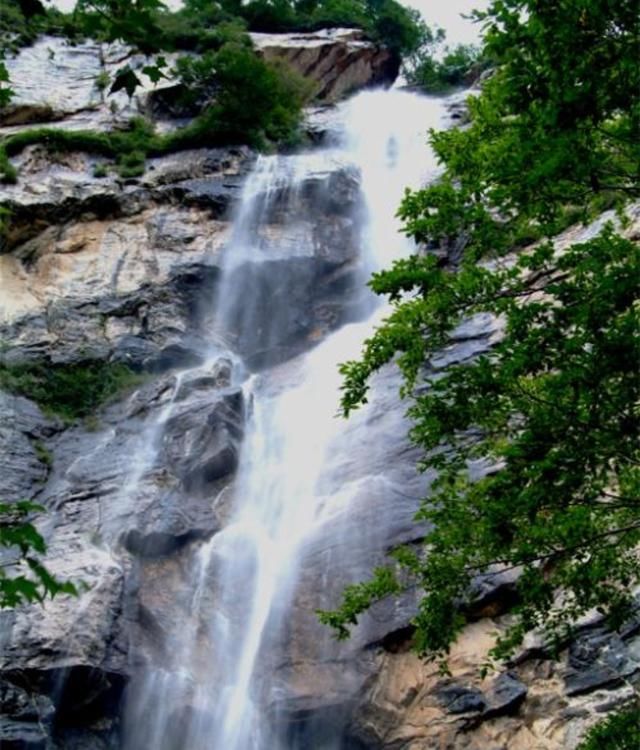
(552, 410)
(459, 66)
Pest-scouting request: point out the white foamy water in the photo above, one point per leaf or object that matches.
(243, 578)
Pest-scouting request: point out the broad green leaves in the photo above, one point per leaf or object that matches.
(551, 410)
(23, 578)
(132, 21)
(617, 731)
(126, 79)
(6, 93)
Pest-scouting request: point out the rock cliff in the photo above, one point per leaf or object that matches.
(98, 270)
(56, 82)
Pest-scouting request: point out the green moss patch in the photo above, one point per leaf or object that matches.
(69, 391)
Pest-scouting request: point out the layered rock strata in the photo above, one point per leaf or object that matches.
(63, 84)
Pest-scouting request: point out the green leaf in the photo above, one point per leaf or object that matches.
(126, 79)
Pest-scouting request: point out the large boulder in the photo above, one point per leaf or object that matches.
(201, 441)
(338, 61)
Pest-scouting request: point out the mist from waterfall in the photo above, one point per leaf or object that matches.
(243, 578)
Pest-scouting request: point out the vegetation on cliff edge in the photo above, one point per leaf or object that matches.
(69, 391)
(618, 731)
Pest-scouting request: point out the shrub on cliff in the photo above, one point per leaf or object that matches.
(68, 391)
(618, 731)
(241, 98)
(456, 67)
(386, 21)
(245, 99)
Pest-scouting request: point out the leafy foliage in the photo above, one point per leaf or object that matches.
(22, 22)
(386, 21)
(253, 101)
(457, 67)
(69, 391)
(619, 731)
(551, 133)
(546, 422)
(19, 535)
(6, 92)
(131, 21)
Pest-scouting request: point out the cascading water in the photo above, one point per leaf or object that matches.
(212, 696)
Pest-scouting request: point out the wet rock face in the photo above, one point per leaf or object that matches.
(132, 493)
(121, 515)
(201, 442)
(130, 274)
(95, 269)
(69, 708)
(303, 276)
(128, 271)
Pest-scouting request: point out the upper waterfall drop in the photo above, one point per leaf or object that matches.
(385, 135)
(243, 580)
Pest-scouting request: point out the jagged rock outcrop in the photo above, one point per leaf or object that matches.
(338, 61)
(100, 270)
(61, 83)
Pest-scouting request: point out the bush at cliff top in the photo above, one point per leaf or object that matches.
(386, 21)
(458, 66)
(251, 101)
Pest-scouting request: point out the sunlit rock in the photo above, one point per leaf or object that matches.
(338, 61)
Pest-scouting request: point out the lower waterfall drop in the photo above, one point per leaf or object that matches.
(220, 692)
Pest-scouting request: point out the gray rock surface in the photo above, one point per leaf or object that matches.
(58, 82)
(201, 442)
(23, 430)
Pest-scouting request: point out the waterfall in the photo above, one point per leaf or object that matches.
(212, 696)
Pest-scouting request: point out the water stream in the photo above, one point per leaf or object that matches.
(242, 580)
